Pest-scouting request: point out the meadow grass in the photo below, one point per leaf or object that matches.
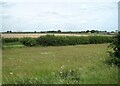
(80, 64)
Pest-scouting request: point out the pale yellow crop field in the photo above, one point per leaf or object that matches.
(35, 35)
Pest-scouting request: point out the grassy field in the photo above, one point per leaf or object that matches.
(81, 64)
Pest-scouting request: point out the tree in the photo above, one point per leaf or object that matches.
(59, 31)
(35, 31)
(9, 31)
(92, 31)
(87, 31)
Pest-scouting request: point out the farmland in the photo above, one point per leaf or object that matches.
(78, 64)
(35, 35)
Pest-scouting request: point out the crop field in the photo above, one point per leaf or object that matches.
(78, 64)
(42, 34)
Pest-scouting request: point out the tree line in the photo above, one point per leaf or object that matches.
(59, 31)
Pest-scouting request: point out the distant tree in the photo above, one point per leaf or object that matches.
(92, 31)
(59, 31)
(9, 31)
(35, 32)
(82, 31)
(112, 32)
(97, 31)
(51, 31)
(87, 31)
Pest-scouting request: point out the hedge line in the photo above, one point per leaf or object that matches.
(52, 40)
(9, 40)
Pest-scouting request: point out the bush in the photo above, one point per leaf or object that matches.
(51, 40)
(28, 41)
(100, 39)
(8, 40)
(114, 50)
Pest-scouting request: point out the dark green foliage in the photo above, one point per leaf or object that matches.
(47, 40)
(8, 40)
(117, 45)
(51, 40)
(114, 50)
(99, 39)
(28, 41)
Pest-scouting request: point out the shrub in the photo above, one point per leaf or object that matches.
(51, 40)
(83, 40)
(8, 40)
(100, 39)
(114, 50)
(28, 41)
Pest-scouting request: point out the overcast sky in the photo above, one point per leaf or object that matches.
(66, 15)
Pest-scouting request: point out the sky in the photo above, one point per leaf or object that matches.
(64, 15)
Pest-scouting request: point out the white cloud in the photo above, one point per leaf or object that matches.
(61, 0)
(56, 14)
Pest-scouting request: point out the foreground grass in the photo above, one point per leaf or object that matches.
(83, 64)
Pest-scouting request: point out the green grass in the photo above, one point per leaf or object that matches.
(83, 64)
(12, 45)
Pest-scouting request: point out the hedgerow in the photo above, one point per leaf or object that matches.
(8, 40)
(27, 41)
(52, 40)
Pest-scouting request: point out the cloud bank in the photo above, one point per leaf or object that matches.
(72, 15)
